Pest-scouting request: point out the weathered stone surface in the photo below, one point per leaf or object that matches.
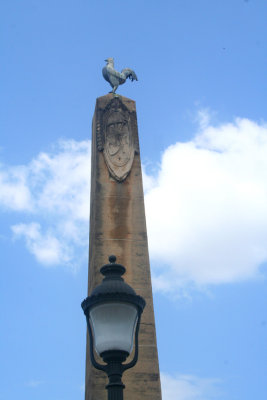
(118, 226)
(116, 136)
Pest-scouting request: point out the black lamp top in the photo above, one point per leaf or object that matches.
(113, 287)
(112, 270)
(113, 281)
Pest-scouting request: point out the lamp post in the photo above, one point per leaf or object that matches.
(113, 313)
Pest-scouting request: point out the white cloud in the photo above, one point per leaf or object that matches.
(203, 118)
(54, 191)
(188, 387)
(14, 192)
(148, 180)
(206, 208)
(47, 248)
(207, 211)
(63, 179)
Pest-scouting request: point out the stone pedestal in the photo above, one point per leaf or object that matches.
(118, 226)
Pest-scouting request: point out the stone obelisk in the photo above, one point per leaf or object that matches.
(118, 226)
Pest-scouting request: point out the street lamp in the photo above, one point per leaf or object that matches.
(113, 313)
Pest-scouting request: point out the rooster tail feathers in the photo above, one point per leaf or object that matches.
(129, 73)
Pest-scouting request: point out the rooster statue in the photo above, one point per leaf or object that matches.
(116, 78)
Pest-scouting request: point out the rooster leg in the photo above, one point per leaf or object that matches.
(115, 88)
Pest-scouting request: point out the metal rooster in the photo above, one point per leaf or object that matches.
(116, 78)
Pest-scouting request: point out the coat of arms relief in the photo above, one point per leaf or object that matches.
(117, 138)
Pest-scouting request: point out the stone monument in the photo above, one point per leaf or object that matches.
(118, 226)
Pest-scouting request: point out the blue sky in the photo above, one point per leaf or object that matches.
(201, 101)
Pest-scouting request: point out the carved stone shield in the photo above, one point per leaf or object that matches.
(118, 143)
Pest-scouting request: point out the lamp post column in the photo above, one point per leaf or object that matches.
(114, 371)
(115, 387)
